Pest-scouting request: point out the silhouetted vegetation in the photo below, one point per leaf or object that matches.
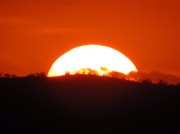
(87, 103)
(6, 75)
(42, 74)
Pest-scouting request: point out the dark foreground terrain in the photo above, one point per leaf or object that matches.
(88, 104)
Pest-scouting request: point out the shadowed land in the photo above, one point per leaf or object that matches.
(87, 103)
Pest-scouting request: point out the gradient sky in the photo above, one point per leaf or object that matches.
(34, 33)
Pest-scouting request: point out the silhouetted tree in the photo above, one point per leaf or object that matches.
(147, 81)
(86, 71)
(7, 75)
(162, 82)
(41, 74)
(67, 73)
(116, 75)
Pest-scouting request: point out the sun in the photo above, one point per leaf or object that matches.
(89, 58)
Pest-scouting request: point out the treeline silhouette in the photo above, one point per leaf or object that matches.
(87, 103)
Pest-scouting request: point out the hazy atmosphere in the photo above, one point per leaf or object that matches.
(34, 33)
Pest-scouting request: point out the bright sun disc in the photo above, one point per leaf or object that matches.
(100, 58)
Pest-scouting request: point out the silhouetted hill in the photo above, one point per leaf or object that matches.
(89, 104)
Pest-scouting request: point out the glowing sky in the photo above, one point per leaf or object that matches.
(33, 33)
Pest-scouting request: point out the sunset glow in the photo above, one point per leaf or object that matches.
(97, 58)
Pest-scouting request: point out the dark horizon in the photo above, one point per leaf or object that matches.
(87, 104)
(154, 77)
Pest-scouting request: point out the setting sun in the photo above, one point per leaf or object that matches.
(98, 58)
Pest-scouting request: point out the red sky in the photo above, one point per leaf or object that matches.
(33, 33)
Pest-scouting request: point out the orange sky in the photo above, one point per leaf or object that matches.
(33, 33)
